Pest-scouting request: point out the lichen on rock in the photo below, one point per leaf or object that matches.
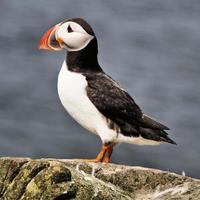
(51, 179)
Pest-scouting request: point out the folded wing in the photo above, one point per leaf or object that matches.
(119, 107)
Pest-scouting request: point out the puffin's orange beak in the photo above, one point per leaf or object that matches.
(48, 41)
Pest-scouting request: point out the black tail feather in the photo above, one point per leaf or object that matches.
(156, 135)
(151, 123)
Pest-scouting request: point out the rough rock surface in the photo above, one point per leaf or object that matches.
(46, 179)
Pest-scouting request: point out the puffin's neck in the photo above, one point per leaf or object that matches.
(84, 60)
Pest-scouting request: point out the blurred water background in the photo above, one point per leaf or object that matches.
(151, 47)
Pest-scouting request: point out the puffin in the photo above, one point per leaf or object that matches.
(94, 99)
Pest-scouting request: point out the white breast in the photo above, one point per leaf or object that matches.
(72, 93)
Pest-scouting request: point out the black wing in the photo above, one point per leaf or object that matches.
(119, 107)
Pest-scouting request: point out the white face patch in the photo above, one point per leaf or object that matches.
(73, 35)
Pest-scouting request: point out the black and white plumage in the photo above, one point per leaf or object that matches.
(93, 98)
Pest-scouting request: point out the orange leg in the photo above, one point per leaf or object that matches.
(102, 153)
(106, 158)
(101, 156)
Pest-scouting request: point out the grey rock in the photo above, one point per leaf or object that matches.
(51, 179)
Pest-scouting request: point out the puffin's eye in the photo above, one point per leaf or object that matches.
(69, 29)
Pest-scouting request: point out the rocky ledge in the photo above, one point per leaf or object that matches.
(50, 179)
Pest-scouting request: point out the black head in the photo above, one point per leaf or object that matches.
(77, 37)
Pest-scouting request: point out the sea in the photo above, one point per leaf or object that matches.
(150, 47)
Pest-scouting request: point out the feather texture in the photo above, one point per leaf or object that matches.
(119, 107)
